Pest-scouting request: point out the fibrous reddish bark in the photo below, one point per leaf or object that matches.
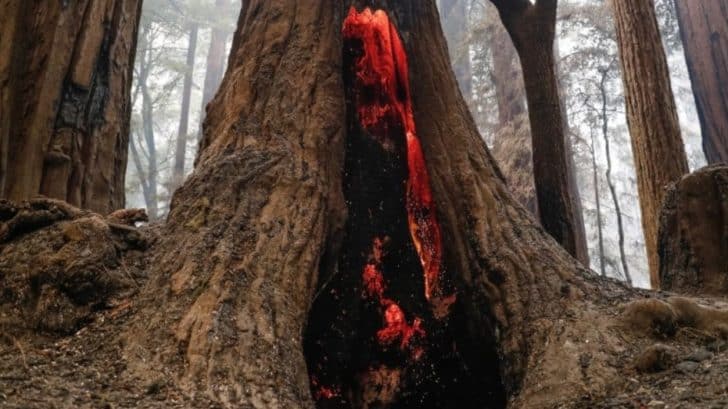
(65, 78)
(704, 30)
(657, 146)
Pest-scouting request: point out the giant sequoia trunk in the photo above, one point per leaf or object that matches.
(344, 241)
(258, 250)
(704, 30)
(65, 78)
(659, 154)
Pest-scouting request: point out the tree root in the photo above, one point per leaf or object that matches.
(60, 264)
(664, 318)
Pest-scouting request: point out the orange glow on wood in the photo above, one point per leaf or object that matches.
(382, 70)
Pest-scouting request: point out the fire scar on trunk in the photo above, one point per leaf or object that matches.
(380, 333)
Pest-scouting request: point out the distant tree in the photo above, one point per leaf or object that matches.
(657, 146)
(455, 18)
(216, 54)
(178, 172)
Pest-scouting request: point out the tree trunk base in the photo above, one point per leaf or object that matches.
(61, 347)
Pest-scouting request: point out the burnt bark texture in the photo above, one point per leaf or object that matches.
(65, 79)
(657, 146)
(704, 31)
(532, 29)
(693, 239)
(253, 236)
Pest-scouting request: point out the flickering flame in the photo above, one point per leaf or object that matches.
(382, 70)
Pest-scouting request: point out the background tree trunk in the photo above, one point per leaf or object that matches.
(582, 250)
(598, 205)
(704, 30)
(455, 15)
(512, 142)
(658, 150)
(65, 79)
(216, 59)
(532, 29)
(178, 172)
(610, 182)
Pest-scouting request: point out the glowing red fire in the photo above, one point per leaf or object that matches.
(380, 95)
(382, 70)
(396, 326)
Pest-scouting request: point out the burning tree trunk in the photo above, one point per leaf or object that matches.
(657, 146)
(704, 30)
(257, 238)
(346, 240)
(65, 75)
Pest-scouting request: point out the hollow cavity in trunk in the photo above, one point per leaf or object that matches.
(385, 330)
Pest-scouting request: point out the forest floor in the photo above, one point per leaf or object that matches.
(87, 367)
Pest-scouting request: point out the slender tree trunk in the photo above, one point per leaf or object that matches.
(704, 30)
(610, 182)
(532, 29)
(658, 150)
(597, 200)
(507, 76)
(65, 79)
(216, 58)
(152, 174)
(178, 172)
(456, 27)
(582, 250)
(512, 142)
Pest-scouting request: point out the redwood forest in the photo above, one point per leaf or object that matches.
(364, 204)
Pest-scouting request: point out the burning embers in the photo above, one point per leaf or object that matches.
(383, 101)
(378, 334)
